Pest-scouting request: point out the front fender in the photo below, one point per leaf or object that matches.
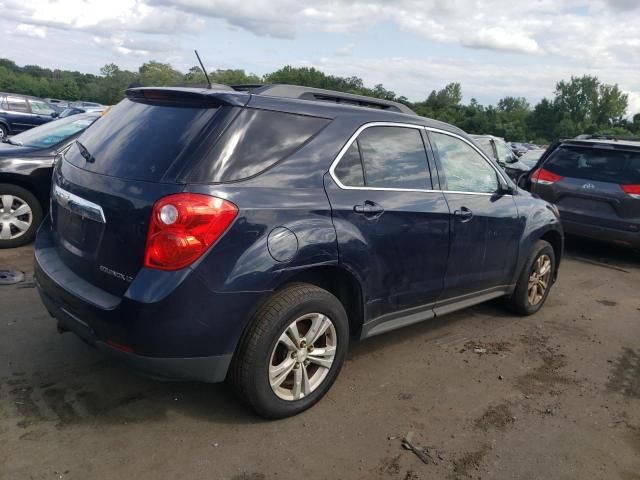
(541, 221)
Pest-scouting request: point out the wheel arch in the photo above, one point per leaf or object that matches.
(339, 282)
(23, 182)
(555, 239)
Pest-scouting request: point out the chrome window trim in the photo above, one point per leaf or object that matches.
(363, 127)
(78, 205)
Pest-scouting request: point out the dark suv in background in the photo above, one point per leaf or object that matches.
(212, 234)
(22, 112)
(595, 184)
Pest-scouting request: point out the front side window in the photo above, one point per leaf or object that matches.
(392, 157)
(17, 104)
(465, 170)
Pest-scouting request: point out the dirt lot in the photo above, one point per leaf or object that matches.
(487, 394)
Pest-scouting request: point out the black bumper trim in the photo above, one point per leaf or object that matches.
(211, 369)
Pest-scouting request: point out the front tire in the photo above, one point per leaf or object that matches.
(20, 216)
(4, 132)
(292, 352)
(536, 279)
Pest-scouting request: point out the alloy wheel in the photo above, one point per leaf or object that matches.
(539, 279)
(16, 217)
(302, 356)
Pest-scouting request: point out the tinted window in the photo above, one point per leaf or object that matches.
(349, 169)
(595, 164)
(140, 141)
(464, 168)
(17, 104)
(40, 108)
(256, 140)
(394, 157)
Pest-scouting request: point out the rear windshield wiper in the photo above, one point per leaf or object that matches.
(85, 153)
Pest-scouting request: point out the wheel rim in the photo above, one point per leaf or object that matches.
(1, 133)
(16, 217)
(302, 356)
(539, 279)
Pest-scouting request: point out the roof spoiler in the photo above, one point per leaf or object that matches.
(319, 94)
(188, 96)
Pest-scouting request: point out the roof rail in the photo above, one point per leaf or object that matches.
(319, 94)
(626, 138)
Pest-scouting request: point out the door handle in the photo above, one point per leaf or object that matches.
(464, 214)
(369, 209)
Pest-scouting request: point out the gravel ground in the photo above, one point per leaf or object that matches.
(486, 395)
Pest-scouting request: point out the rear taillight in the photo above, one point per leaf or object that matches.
(183, 226)
(545, 177)
(631, 190)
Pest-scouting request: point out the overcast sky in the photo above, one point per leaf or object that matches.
(493, 48)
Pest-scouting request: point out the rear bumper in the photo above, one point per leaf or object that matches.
(611, 235)
(204, 369)
(189, 332)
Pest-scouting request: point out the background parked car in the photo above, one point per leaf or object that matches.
(67, 112)
(501, 151)
(26, 162)
(22, 112)
(518, 148)
(56, 104)
(595, 183)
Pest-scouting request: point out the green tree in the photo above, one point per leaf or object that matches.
(159, 74)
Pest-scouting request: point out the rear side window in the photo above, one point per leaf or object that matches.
(140, 141)
(392, 157)
(349, 170)
(599, 164)
(17, 104)
(255, 140)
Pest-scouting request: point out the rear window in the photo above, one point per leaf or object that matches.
(140, 141)
(599, 164)
(256, 140)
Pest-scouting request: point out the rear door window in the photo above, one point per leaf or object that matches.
(394, 157)
(255, 141)
(599, 164)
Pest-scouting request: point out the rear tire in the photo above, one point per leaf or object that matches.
(18, 229)
(280, 370)
(535, 281)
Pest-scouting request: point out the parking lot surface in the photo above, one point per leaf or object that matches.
(485, 393)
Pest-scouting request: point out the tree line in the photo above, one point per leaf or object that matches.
(579, 105)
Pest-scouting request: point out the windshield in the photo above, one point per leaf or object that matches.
(531, 157)
(485, 144)
(53, 132)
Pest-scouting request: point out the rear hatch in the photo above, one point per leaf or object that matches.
(107, 182)
(593, 183)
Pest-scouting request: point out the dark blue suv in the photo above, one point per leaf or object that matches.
(22, 112)
(251, 236)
